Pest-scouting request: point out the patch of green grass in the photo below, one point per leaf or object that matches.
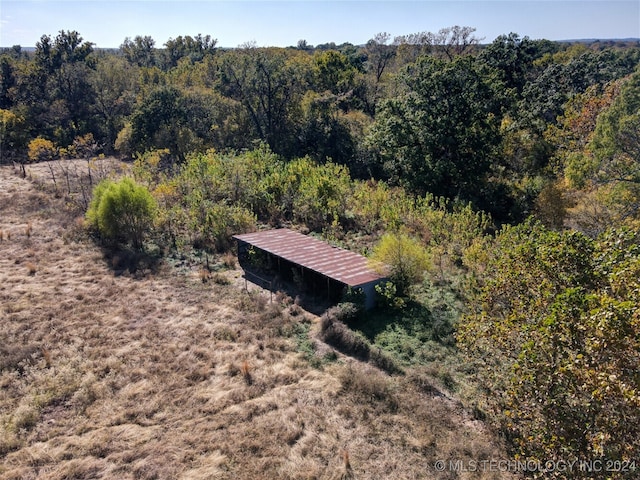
(307, 347)
(415, 333)
(421, 335)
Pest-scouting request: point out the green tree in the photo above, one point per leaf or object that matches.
(193, 48)
(114, 84)
(574, 130)
(56, 89)
(555, 330)
(122, 211)
(544, 97)
(269, 83)
(12, 134)
(512, 58)
(324, 131)
(139, 51)
(598, 152)
(403, 258)
(160, 121)
(7, 81)
(616, 139)
(333, 72)
(440, 135)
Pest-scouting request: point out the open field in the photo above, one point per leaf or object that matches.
(157, 374)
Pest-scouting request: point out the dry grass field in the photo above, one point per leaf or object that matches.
(159, 375)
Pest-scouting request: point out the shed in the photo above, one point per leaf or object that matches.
(319, 263)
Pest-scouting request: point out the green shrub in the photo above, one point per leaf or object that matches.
(122, 211)
(215, 224)
(403, 257)
(388, 297)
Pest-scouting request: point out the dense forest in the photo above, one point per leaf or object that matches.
(508, 171)
(501, 125)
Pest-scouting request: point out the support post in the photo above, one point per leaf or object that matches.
(328, 289)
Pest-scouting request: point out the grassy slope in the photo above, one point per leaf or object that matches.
(105, 376)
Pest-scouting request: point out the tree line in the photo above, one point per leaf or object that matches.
(431, 112)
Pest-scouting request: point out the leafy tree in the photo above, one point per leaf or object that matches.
(608, 164)
(114, 84)
(158, 121)
(555, 330)
(12, 134)
(303, 45)
(513, 59)
(574, 130)
(545, 96)
(597, 154)
(7, 81)
(55, 88)
(403, 258)
(616, 140)
(333, 72)
(139, 51)
(269, 83)
(324, 131)
(193, 48)
(440, 135)
(122, 211)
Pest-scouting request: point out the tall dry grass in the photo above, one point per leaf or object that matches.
(105, 376)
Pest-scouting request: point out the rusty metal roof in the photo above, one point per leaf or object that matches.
(336, 263)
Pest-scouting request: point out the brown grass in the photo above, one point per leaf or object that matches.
(220, 278)
(31, 268)
(204, 274)
(229, 260)
(245, 370)
(105, 376)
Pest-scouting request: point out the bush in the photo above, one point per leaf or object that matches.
(41, 149)
(216, 223)
(403, 258)
(122, 211)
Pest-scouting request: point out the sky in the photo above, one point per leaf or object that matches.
(284, 23)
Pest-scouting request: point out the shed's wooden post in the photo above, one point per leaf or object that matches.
(328, 289)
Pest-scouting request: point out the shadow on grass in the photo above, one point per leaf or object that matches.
(415, 320)
(128, 261)
(420, 334)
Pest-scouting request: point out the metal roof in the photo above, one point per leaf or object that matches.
(336, 263)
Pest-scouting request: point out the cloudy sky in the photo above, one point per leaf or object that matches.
(283, 23)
